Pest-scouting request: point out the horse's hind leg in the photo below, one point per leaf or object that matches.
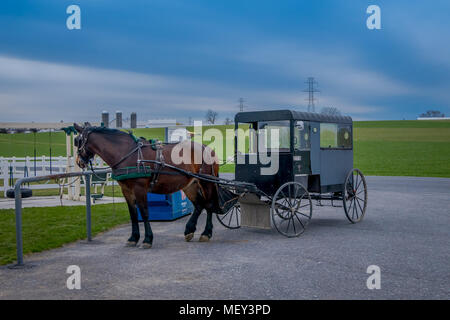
(191, 225)
(211, 205)
(207, 233)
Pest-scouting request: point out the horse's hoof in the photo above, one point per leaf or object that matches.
(131, 244)
(146, 245)
(188, 237)
(203, 238)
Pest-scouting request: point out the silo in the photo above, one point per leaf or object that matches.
(133, 120)
(105, 118)
(118, 119)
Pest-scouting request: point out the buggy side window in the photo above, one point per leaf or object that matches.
(344, 137)
(328, 135)
(301, 135)
(337, 136)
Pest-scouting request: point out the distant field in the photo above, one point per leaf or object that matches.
(403, 148)
(403, 124)
(391, 148)
(22, 144)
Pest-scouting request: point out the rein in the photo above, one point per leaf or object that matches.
(138, 148)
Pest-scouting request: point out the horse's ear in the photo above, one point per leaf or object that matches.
(78, 128)
(87, 124)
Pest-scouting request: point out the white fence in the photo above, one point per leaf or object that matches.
(19, 167)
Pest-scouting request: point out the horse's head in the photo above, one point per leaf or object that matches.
(84, 154)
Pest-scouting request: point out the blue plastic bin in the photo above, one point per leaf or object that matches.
(162, 207)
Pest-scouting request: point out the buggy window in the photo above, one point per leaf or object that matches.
(301, 136)
(328, 135)
(246, 138)
(344, 137)
(337, 136)
(268, 132)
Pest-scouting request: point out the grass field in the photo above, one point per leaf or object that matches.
(403, 148)
(392, 148)
(47, 228)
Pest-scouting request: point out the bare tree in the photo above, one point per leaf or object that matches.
(211, 116)
(432, 114)
(227, 121)
(331, 111)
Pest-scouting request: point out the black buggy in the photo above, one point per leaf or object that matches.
(315, 162)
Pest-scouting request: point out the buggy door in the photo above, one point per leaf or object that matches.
(302, 148)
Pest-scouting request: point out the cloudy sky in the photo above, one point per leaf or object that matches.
(178, 58)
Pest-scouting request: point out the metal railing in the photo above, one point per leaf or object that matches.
(18, 203)
(13, 167)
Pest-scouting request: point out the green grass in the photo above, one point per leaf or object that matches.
(22, 144)
(403, 158)
(403, 148)
(51, 227)
(403, 124)
(150, 133)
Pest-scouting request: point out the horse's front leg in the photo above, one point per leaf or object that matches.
(135, 235)
(207, 233)
(148, 239)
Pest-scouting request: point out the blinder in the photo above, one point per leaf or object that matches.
(84, 154)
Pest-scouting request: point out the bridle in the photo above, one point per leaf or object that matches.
(80, 142)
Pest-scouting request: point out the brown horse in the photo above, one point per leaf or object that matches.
(120, 150)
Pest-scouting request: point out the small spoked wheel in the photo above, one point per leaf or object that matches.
(355, 196)
(232, 218)
(291, 209)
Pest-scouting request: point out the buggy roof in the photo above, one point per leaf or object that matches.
(289, 115)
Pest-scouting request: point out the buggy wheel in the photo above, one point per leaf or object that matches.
(232, 218)
(355, 196)
(291, 209)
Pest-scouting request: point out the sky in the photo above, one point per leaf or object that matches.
(175, 59)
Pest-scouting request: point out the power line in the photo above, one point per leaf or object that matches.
(241, 104)
(311, 89)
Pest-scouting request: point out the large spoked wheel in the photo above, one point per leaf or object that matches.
(355, 196)
(291, 209)
(232, 218)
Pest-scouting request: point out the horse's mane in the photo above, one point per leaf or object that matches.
(105, 130)
(110, 131)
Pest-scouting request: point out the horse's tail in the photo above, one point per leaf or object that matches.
(210, 166)
(210, 163)
(223, 199)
